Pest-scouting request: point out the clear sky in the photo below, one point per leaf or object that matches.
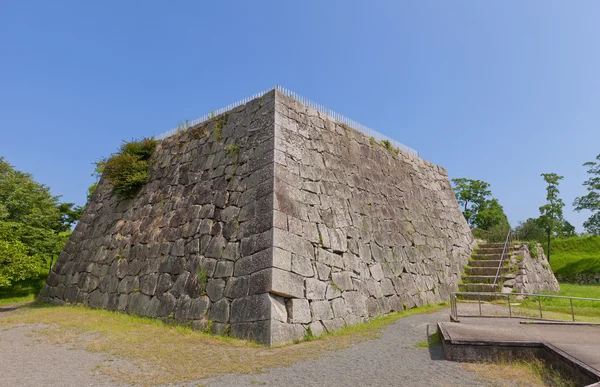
(494, 90)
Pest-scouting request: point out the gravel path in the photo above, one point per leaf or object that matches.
(25, 361)
(392, 360)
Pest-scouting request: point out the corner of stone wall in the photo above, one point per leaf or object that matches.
(358, 230)
(529, 274)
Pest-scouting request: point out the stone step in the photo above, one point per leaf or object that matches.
(486, 263)
(479, 287)
(491, 250)
(483, 279)
(491, 245)
(489, 256)
(484, 270)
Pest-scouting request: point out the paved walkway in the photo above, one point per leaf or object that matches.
(579, 341)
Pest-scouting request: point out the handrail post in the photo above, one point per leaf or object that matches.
(572, 313)
(540, 303)
(509, 309)
(479, 302)
(502, 257)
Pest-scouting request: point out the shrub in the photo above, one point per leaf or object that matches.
(387, 144)
(129, 169)
(533, 250)
(202, 277)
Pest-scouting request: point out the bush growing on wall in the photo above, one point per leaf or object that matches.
(129, 169)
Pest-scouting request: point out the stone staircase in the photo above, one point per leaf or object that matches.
(481, 270)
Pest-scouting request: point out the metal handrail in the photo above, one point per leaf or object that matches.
(454, 307)
(502, 256)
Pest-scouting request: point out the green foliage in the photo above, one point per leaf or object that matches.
(129, 169)
(233, 150)
(34, 226)
(485, 216)
(471, 196)
(562, 305)
(591, 201)
(26, 201)
(208, 328)
(495, 234)
(218, 129)
(202, 277)
(490, 215)
(15, 264)
(576, 255)
(533, 250)
(372, 141)
(530, 230)
(551, 215)
(387, 144)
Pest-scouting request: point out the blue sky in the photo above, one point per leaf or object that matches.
(494, 90)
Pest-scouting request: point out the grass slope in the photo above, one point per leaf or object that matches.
(560, 308)
(577, 255)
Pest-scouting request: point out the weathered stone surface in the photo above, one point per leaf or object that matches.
(298, 311)
(315, 289)
(321, 310)
(309, 225)
(287, 284)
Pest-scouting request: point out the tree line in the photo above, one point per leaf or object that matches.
(34, 226)
(487, 219)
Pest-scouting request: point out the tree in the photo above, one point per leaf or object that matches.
(471, 195)
(489, 215)
(530, 230)
(34, 225)
(591, 201)
(551, 215)
(566, 230)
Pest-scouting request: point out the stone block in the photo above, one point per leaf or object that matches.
(316, 328)
(298, 311)
(315, 289)
(342, 280)
(302, 266)
(282, 332)
(219, 311)
(251, 308)
(287, 284)
(215, 289)
(334, 324)
(321, 310)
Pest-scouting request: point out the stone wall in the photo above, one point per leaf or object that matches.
(580, 278)
(279, 224)
(179, 249)
(529, 274)
(368, 230)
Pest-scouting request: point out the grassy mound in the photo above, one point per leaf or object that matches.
(577, 255)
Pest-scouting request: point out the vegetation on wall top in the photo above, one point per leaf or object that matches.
(128, 169)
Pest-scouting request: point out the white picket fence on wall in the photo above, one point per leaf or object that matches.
(334, 115)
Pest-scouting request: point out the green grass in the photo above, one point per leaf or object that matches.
(22, 291)
(14, 300)
(563, 306)
(431, 341)
(532, 372)
(577, 255)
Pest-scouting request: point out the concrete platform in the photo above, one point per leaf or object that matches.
(575, 349)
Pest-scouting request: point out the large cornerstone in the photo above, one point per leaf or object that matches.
(270, 222)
